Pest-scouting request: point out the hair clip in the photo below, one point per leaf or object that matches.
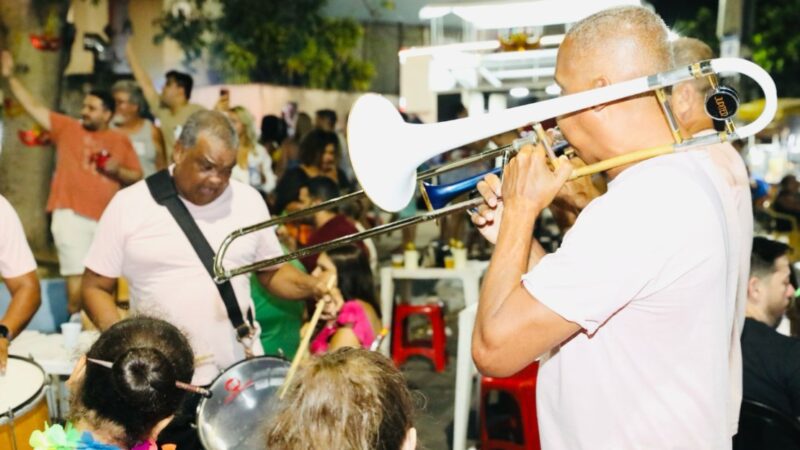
(178, 384)
(99, 362)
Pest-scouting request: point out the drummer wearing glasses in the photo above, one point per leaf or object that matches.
(634, 317)
(139, 239)
(18, 270)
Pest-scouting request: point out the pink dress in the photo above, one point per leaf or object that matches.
(352, 314)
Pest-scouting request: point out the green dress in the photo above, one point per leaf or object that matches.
(280, 319)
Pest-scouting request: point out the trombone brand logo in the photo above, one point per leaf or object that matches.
(722, 108)
(722, 103)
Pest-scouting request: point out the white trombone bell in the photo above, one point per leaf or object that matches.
(385, 151)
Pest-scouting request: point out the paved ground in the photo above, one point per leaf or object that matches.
(435, 391)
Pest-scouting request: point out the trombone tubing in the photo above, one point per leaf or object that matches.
(591, 169)
(350, 238)
(487, 154)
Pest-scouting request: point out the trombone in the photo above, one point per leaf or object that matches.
(220, 272)
(389, 177)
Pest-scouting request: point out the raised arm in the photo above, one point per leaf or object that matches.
(158, 142)
(39, 112)
(141, 75)
(290, 283)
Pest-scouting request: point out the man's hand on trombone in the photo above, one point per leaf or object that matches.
(529, 184)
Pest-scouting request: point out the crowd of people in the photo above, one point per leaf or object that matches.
(652, 321)
(223, 174)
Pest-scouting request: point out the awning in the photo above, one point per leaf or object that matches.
(786, 107)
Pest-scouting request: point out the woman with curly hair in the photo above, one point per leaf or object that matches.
(351, 399)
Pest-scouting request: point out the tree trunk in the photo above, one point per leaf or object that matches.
(25, 171)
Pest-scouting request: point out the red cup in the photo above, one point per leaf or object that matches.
(100, 159)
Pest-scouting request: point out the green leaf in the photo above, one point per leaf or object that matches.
(271, 41)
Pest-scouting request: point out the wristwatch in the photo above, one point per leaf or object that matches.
(4, 333)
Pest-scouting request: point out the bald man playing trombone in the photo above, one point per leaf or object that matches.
(633, 317)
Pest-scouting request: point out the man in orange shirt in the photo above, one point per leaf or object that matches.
(93, 163)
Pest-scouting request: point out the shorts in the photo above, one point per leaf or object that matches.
(73, 235)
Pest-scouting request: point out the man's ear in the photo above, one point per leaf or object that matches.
(753, 289)
(178, 153)
(683, 97)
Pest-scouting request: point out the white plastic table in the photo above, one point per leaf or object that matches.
(49, 352)
(470, 277)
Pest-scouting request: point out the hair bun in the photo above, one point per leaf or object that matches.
(142, 376)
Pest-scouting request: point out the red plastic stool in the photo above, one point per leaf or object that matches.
(521, 428)
(433, 349)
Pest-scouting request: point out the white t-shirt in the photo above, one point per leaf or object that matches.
(258, 162)
(139, 239)
(739, 212)
(644, 272)
(16, 258)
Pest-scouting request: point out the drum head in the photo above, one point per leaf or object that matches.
(21, 386)
(243, 398)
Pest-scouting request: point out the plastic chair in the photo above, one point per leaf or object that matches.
(763, 427)
(780, 226)
(53, 311)
(508, 411)
(433, 349)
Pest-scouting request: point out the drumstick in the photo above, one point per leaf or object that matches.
(301, 350)
(376, 343)
(201, 359)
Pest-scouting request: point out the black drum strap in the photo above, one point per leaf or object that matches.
(162, 188)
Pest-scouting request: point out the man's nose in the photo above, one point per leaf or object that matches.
(217, 179)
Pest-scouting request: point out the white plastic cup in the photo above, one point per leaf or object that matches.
(70, 332)
(398, 260)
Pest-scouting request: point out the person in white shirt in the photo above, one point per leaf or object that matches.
(633, 315)
(139, 239)
(688, 104)
(18, 271)
(253, 163)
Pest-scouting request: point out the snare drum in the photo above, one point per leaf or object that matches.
(23, 407)
(243, 398)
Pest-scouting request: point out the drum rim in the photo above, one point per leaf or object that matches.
(33, 400)
(202, 401)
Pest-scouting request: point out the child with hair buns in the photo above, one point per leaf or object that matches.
(126, 389)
